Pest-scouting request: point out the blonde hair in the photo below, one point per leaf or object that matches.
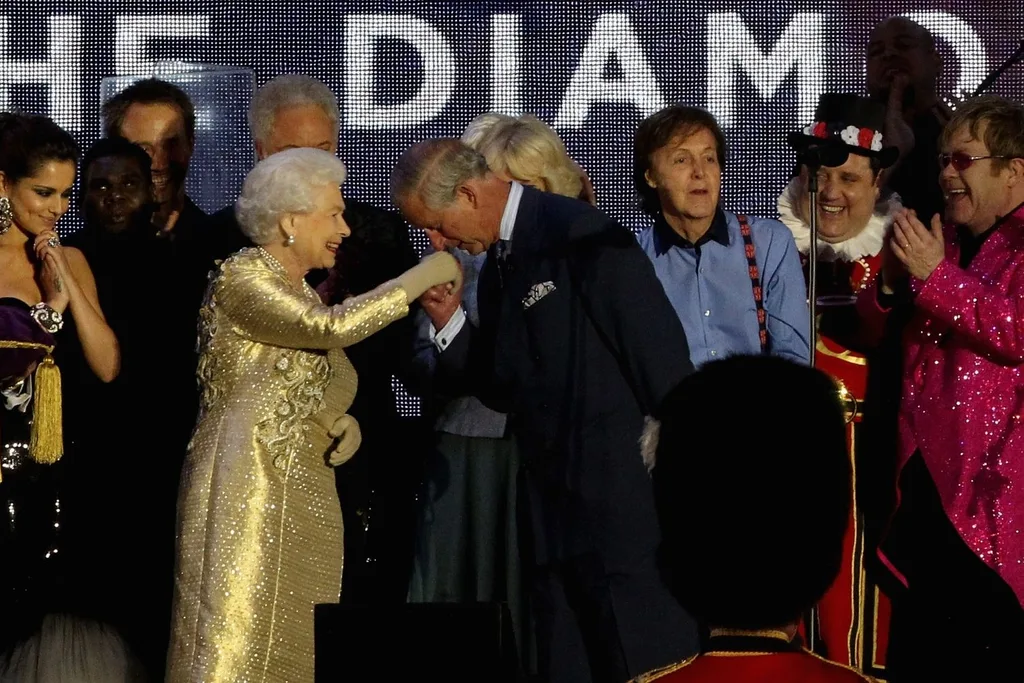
(480, 127)
(527, 150)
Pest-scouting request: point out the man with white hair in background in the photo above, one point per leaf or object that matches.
(294, 111)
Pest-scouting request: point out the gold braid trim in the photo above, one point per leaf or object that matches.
(663, 671)
(866, 678)
(775, 634)
(47, 442)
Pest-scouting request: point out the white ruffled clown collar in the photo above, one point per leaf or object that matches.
(866, 243)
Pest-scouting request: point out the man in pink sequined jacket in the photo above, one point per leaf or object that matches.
(956, 540)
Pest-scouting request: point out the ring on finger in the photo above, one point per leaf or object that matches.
(53, 241)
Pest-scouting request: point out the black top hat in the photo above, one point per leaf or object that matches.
(851, 122)
(738, 567)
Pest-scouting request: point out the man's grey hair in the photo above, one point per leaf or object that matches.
(284, 183)
(434, 170)
(480, 127)
(289, 90)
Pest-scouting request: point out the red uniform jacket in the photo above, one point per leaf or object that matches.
(851, 623)
(764, 658)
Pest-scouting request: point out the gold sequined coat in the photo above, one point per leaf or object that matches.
(259, 538)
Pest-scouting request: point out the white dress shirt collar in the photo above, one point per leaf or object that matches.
(508, 217)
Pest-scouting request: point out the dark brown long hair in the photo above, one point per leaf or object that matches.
(28, 141)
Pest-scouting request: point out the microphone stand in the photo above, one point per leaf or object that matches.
(813, 163)
(813, 158)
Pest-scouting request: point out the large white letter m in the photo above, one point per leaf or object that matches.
(730, 45)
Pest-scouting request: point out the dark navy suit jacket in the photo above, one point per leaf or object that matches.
(578, 369)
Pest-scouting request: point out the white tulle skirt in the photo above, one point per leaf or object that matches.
(68, 649)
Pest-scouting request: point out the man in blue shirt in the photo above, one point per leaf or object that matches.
(735, 282)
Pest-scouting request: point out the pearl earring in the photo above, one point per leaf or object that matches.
(290, 241)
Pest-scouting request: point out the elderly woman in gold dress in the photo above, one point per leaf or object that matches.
(259, 522)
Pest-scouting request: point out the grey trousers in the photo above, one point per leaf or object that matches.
(467, 547)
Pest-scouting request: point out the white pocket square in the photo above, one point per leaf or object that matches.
(538, 292)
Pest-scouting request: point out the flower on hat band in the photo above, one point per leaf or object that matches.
(865, 138)
(850, 135)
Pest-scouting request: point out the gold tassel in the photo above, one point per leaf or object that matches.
(47, 422)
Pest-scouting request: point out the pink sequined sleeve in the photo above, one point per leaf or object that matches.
(972, 308)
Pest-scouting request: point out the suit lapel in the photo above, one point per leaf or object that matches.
(526, 237)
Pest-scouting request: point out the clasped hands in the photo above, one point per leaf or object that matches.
(918, 250)
(346, 431)
(55, 273)
(441, 302)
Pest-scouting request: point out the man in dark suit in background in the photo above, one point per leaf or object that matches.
(378, 487)
(170, 261)
(578, 343)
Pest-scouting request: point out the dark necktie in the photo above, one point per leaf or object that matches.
(488, 294)
(499, 252)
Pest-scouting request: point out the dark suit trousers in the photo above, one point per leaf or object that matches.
(606, 626)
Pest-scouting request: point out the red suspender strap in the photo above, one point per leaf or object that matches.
(755, 282)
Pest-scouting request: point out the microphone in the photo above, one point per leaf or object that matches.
(816, 156)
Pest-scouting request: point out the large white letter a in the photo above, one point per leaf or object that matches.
(612, 35)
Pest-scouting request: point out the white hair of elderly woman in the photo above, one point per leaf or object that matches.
(288, 90)
(284, 183)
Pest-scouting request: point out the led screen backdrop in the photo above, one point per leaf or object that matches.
(409, 70)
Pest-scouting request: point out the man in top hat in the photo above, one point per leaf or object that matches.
(854, 215)
(748, 570)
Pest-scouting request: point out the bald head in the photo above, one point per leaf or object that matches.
(900, 49)
(895, 25)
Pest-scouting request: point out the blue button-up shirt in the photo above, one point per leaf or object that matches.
(709, 286)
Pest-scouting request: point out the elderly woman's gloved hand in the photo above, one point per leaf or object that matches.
(436, 269)
(346, 431)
